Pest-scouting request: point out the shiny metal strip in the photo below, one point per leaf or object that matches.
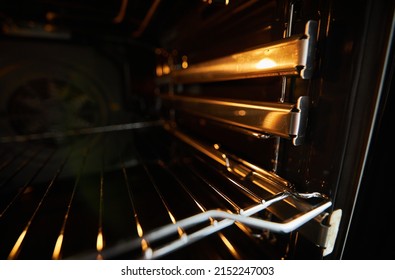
(20, 167)
(57, 251)
(9, 161)
(280, 119)
(17, 246)
(80, 131)
(223, 196)
(27, 184)
(292, 56)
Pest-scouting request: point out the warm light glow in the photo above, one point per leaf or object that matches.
(265, 63)
(50, 16)
(239, 172)
(240, 113)
(49, 27)
(139, 229)
(58, 247)
(200, 206)
(100, 241)
(15, 249)
(166, 69)
(144, 245)
(229, 245)
(180, 231)
(121, 14)
(216, 146)
(173, 220)
(184, 63)
(159, 71)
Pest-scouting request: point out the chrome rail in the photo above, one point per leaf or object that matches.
(291, 56)
(280, 119)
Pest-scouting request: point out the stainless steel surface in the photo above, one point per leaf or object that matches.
(291, 56)
(280, 119)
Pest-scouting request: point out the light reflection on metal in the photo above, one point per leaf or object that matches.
(50, 16)
(290, 56)
(184, 64)
(139, 228)
(229, 245)
(122, 11)
(100, 238)
(166, 69)
(80, 131)
(58, 247)
(286, 120)
(99, 241)
(225, 2)
(147, 18)
(15, 250)
(159, 71)
(265, 63)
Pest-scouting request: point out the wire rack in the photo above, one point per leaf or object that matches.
(135, 192)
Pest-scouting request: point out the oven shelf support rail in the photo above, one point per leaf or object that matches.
(285, 120)
(291, 56)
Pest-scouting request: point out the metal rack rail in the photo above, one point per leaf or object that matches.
(292, 56)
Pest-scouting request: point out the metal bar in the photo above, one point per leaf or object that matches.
(275, 182)
(17, 246)
(292, 56)
(56, 254)
(20, 167)
(80, 131)
(139, 228)
(281, 119)
(27, 184)
(147, 18)
(9, 161)
(250, 194)
(100, 236)
(235, 206)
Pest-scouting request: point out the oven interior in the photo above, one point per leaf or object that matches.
(189, 129)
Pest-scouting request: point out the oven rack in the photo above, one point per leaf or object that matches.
(61, 200)
(219, 219)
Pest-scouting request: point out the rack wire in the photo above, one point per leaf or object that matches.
(136, 193)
